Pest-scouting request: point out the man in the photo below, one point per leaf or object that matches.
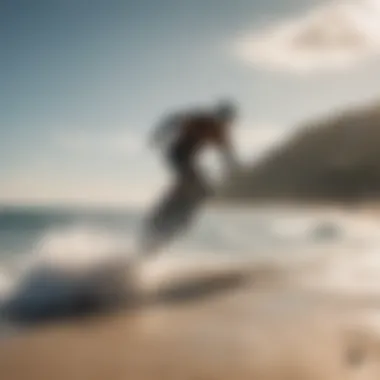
(183, 135)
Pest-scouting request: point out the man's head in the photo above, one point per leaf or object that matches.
(226, 111)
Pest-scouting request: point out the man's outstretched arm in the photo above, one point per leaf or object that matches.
(164, 129)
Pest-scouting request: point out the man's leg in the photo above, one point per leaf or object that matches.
(194, 180)
(188, 177)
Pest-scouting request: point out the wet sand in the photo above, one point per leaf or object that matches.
(255, 329)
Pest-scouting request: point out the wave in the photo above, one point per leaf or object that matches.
(66, 273)
(81, 268)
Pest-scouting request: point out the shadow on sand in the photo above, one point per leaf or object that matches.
(48, 295)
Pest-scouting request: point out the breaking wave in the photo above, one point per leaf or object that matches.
(82, 268)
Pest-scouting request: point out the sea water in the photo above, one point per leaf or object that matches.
(74, 240)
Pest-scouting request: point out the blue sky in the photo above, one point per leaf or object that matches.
(84, 81)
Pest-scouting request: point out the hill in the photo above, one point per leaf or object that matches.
(336, 158)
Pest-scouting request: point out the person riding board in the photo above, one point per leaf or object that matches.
(182, 136)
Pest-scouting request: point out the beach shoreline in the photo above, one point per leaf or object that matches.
(266, 327)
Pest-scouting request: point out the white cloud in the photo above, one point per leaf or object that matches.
(334, 36)
(123, 143)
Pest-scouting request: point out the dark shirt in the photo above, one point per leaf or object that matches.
(197, 130)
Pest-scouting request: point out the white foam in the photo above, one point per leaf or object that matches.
(80, 247)
(347, 272)
(352, 268)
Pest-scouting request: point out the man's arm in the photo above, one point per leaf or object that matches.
(164, 129)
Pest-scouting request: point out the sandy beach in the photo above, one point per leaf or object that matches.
(263, 326)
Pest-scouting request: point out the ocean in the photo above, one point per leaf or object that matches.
(46, 253)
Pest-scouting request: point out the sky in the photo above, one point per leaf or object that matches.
(84, 82)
